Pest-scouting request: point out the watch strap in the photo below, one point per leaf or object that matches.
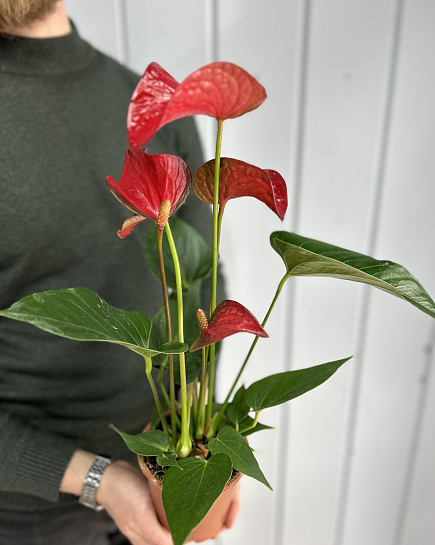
(92, 481)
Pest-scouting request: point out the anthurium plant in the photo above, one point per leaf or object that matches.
(180, 341)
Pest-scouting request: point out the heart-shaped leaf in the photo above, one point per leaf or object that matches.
(227, 319)
(277, 389)
(231, 443)
(239, 179)
(308, 257)
(189, 492)
(148, 443)
(222, 90)
(194, 254)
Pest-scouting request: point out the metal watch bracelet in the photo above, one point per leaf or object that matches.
(92, 481)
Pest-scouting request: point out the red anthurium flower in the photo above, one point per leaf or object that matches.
(221, 89)
(239, 179)
(151, 186)
(228, 318)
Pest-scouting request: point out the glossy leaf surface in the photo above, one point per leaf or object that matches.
(227, 319)
(149, 443)
(231, 443)
(194, 254)
(81, 314)
(189, 492)
(146, 182)
(308, 257)
(221, 89)
(239, 179)
(282, 387)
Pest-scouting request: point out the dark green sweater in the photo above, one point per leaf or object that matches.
(62, 131)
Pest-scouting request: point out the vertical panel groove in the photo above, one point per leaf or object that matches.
(287, 321)
(120, 16)
(211, 55)
(414, 445)
(364, 302)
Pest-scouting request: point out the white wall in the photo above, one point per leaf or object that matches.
(350, 124)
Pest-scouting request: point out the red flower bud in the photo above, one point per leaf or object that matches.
(228, 318)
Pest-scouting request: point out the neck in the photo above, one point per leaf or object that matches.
(53, 25)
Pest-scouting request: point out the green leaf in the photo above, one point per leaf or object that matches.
(308, 257)
(81, 314)
(194, 253)
(238, 409)
(189, 492)
(148, 443)
(173, 348)
(231, 443)
(167, 459)
(277, 389)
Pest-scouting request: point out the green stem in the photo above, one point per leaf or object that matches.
(215, 250)
(254, 423)
(202, 393)
(148, 371)
(222, 410)
(184, 444)
(171, 403)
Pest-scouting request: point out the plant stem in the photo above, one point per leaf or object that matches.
(222, 410)
(148, 371)
(254, 423)
(184, 444)
(202, 393)
(215, 250)
(171, 403)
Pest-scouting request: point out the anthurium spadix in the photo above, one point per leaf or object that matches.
(227, 319)
(221, 89)
(148, 182)
(240, 179)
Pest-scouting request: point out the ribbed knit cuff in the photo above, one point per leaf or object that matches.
(42, 460)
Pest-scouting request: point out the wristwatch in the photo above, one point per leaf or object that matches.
(92, 481)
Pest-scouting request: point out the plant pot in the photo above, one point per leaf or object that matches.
(212, 523)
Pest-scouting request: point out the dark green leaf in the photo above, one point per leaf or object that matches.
(167, 459)
(231, 443)
(173, 348)
(81, 314)
(189, 492)
(308, 257)
(238, 409)
(148, 443)
(194, 254)
(277, 389)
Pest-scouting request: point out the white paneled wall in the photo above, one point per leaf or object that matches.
(350, 124)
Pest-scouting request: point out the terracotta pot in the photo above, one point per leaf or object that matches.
(212, 523)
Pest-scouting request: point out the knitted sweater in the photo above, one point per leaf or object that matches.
(62, 131)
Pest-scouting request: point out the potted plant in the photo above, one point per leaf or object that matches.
(197, 444)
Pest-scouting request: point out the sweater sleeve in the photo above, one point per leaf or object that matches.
(32, 461)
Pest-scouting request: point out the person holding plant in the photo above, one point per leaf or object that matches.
(62, 130)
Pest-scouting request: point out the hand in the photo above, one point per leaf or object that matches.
(124, 493)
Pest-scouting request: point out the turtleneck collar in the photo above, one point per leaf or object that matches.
(44, 56)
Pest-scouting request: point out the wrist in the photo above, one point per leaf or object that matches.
(91, 483)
